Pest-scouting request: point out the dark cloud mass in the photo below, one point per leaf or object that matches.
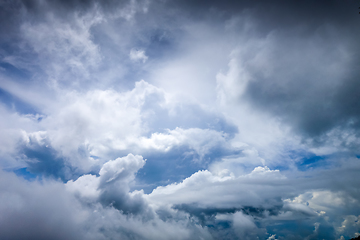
(173, 119)
(318, 98)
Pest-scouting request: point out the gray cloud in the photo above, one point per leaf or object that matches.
(313, 92)
(33, 211)
(43, 210)
(305, 72)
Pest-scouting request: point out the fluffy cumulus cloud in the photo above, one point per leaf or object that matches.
(179, 120)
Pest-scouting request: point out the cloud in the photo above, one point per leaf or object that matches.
(138, 55)
(89, 128)
(211, 188)
(111, 188)
(243, 225)
(28, 205)
(265, 196)
(349, 226)
(245, 125)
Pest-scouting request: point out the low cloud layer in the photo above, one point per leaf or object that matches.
(179, 120)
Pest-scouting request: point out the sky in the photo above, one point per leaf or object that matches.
(169, 119)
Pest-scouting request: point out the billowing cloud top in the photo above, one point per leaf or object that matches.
(179, 119)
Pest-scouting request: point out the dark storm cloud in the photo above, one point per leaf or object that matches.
(300, 227)
(275, 14)
(313, 101)
(207, 215)
(296, 230)
(269, 15)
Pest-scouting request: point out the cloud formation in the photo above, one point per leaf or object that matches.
(179, 120)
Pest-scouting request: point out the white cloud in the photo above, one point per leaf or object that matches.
(272, 237)
(200, 140)
(244, 226)
(65, 49)
(258, 188)
(350, 226)
(121, 169)
(87, 129)
(86, 186)
(138, 55)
